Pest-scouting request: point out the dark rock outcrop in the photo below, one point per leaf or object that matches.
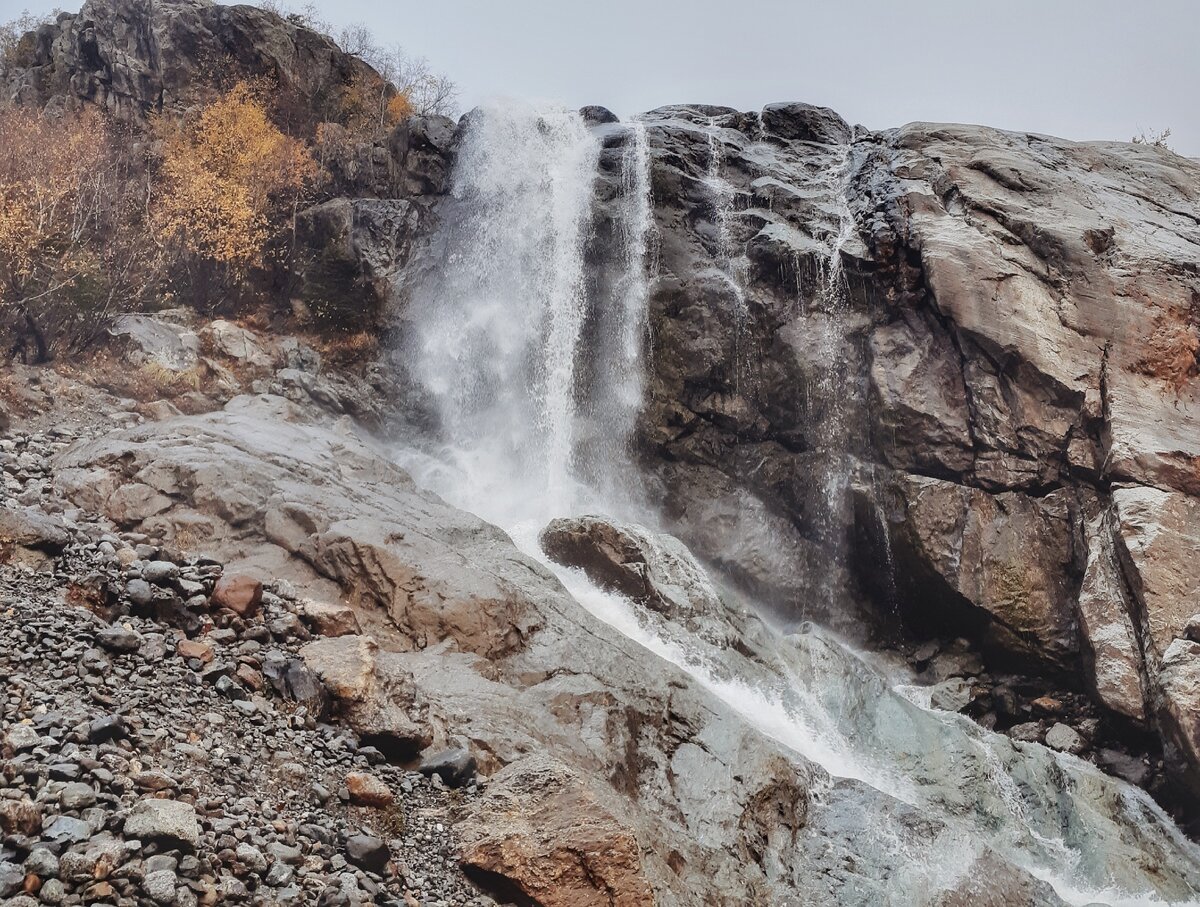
(988, 341)
(134, 58)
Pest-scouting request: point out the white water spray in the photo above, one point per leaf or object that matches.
(499, 330)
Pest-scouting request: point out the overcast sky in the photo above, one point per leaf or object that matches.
(1084, 69)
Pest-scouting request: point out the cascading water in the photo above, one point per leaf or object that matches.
(619, 340)
(497, 331)
(723, 195)
(832, 427)
(501, 333)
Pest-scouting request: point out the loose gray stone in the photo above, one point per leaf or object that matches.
(22, 737)
(164, 820)
(160, 886)
(77, 795)
(160, 573)
(11, 877)
(118, 639)
(140, 592)
(367, 852)
(1064, 738)
(66, 830)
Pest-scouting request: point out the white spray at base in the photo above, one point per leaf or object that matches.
(501, 334)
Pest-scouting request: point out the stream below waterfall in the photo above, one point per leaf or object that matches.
(499, 337)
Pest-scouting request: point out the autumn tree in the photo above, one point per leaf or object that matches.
(231, 184)
(427, 92)
(70, 200)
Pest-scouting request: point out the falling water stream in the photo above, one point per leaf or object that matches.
(499, 343)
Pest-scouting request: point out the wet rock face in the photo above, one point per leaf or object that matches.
(1008, 558)
(746, 212)
(650, 568)
(1009, 378)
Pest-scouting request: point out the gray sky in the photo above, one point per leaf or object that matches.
(1082, 69)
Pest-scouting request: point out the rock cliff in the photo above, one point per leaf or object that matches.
(1016, 393)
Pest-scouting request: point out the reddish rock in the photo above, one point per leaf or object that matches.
(367, 790)
(325, 619)
(20, 817)
(1047, 705)
(249, 678)
(195, 648)
(544, 831)
(239, 593)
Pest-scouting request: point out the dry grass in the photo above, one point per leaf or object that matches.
(345, 349)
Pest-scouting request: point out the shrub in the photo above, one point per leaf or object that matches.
(231, 181)
(1155, 139)
(16, 44)
(70, 202)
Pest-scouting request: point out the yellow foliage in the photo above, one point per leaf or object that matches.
(52, 188)
(226, 176)
(400, 107)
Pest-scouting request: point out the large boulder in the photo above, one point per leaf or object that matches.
(544, 832)
(999, 566)
(30, 527)
(1178, 681)
(1106, 615)
(371, 694)
(653, 569)
(1160, 533)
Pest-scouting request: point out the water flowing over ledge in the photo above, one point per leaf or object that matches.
(536, 377)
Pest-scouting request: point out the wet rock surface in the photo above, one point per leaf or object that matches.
(981, 345)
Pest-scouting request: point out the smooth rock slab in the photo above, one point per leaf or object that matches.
(164, 820)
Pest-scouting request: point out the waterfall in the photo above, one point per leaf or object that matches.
(613, 400)
(831, 428)
(498, 329)
(536, 380)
